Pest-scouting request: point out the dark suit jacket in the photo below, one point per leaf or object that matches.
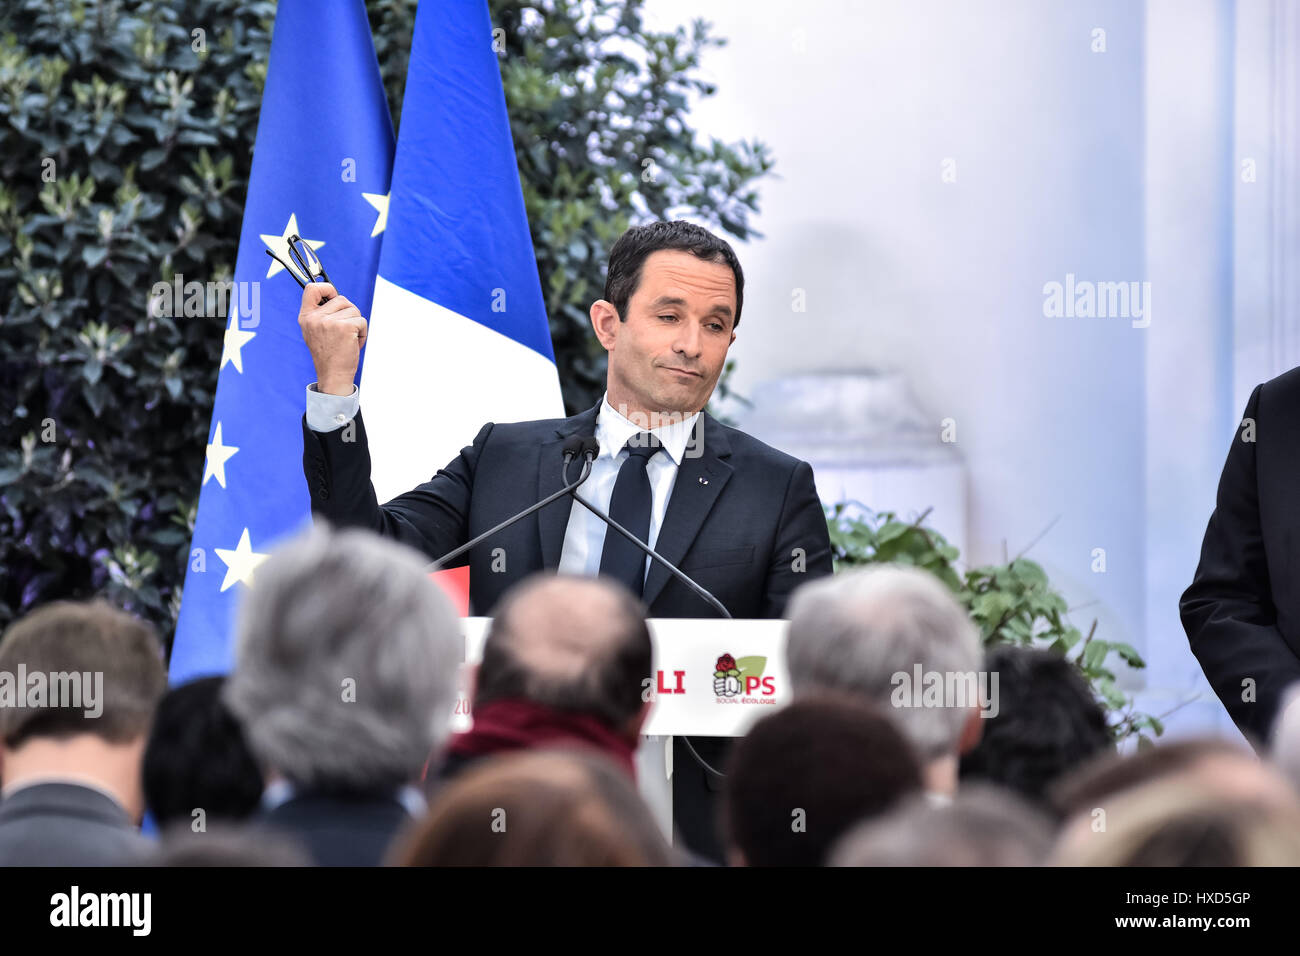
(339, 830)
(1242, 610)
(743, 520)
(63, 824)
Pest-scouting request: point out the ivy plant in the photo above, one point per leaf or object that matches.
(1010, 603)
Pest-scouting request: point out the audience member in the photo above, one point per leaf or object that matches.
(1047, 722)
(344, 679)
(1284, 741)
(984, 825)
(538, 808)
(78, 686)
(226, 845)
(806, 774)
(1229, 770)
(1179, 822)
(879, 633)
(564, 664)
(197, 765)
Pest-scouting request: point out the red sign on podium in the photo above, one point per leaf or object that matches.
(455, 584)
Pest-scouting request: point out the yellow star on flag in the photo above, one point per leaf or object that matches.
(380, 202)
(280, 245)
(240, 563)
(218, 455)
(236, 338)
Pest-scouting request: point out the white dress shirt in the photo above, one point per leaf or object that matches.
(584, 538)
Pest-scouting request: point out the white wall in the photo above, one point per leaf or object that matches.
(1189, 235)
(861, 103)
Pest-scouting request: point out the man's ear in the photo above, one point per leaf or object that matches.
(971, 731)
(605, 322)
(633, 727)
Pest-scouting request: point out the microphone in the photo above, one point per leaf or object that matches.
(587, 447)
(703, 593)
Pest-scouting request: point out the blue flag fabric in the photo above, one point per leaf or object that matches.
(321, 167)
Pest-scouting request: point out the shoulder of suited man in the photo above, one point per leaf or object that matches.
(1283, 391)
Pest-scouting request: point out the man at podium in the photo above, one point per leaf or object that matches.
(739, 517)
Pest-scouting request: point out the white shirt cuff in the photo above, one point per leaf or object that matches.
(327, 413)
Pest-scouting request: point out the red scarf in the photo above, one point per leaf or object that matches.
(504, 725)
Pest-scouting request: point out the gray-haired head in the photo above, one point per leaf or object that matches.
(346, 662)
(866, 631)
(1284, 739)
(982, 826)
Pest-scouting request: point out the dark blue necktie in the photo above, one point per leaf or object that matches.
(630, 505)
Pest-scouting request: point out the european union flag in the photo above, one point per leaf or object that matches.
(321, 167)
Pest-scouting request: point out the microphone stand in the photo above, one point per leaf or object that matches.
(676, 572)
(567, 489)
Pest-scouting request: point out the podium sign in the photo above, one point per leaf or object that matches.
(711, 677)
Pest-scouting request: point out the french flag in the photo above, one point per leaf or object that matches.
(458, 333)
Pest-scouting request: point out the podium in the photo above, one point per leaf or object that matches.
(711, 677)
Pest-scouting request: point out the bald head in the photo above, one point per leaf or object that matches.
(560, 628)
(575, 644)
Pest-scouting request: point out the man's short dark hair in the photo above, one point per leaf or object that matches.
(1048, 723)
(633, 247)
(609, 690)
(197, 758)
(94, 638)
(835, 759)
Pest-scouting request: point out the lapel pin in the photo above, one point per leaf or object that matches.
(703, 480)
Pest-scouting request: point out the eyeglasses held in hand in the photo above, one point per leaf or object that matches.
(306, 262)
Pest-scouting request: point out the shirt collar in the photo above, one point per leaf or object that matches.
(70, 779)
(280, 791)
(613, 430)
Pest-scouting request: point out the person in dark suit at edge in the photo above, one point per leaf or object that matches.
(741, 518)
(1242, 609)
